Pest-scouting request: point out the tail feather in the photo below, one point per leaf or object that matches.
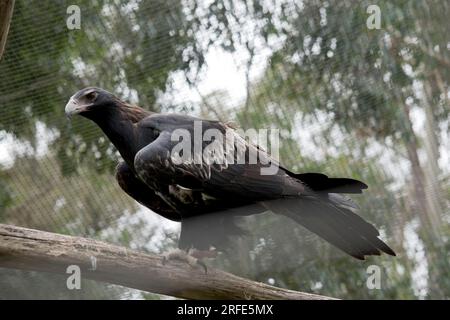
(320, 182)
(367, 230)
(339, 226)
(328, 231)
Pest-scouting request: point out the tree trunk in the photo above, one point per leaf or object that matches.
(432, 171)
(418, 177)
(6, 11)
(29, 249)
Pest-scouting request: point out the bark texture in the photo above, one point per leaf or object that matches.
(30, 249)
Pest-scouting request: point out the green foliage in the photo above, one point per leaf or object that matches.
(128, 50)
(345, 99)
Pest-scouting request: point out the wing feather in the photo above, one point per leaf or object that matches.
(221, 171)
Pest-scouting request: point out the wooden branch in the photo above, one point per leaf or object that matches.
(6, 11)
(29, 249)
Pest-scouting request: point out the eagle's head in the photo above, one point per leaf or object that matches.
(90, 101)
(100, 105)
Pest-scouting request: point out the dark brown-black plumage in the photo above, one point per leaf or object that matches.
(206, 200)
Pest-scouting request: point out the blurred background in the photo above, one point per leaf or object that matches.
(371, 104)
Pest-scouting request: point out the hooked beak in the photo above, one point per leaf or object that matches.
(73, 107)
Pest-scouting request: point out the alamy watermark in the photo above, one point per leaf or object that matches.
(215, 147)
(374, 277)
(374, 19)
(73, 21)
(73, 281)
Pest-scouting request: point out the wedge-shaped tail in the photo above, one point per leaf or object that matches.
(338, 225)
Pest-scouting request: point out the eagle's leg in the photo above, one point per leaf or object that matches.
(204, 254)
(184, 256)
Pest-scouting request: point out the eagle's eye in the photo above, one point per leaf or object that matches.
(91, 95)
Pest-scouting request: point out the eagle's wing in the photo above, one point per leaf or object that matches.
(225, 165)
(140, 192)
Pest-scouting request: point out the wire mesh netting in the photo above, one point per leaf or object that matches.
(350, 98)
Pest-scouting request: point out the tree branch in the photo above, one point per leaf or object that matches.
(29, 249)
(6, 11)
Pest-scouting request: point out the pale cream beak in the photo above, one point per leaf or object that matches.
(73, 107)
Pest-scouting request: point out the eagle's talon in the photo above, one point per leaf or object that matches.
(183, 256)
(202, 264)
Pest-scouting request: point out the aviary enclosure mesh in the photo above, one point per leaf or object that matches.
(371, 104)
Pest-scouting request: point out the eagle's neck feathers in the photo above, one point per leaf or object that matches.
(119, 125)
